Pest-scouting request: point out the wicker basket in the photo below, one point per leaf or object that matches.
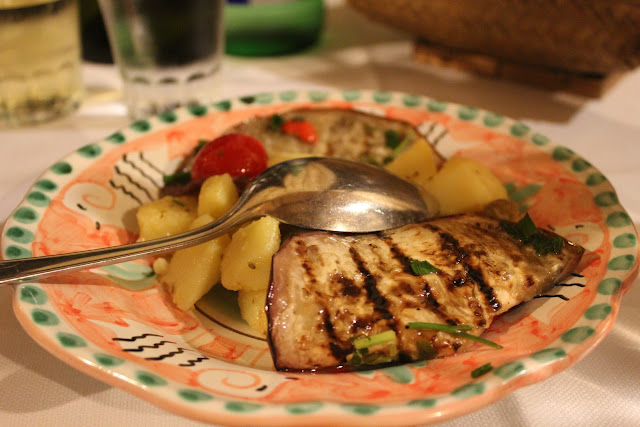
(596, 37)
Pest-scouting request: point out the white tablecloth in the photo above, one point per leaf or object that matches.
(37, 389)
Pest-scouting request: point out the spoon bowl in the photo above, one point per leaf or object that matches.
(322, 193)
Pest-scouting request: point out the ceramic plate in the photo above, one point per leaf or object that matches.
(117, 324)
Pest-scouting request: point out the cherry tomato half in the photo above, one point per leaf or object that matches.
(236, 154)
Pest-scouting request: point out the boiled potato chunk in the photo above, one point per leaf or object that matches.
(416, 164)
(160, 266)
(193, 271)
(252, 310)
(464, 185)
(166, 216)
(246, 263)
(217, 195)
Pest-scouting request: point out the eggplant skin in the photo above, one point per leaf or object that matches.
(327, 289)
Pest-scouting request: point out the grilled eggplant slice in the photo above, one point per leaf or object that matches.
(330, 292)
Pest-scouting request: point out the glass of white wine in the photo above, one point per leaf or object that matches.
(40, 65)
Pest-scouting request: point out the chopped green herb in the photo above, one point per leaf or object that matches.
(276, 122)
(177, 202)
(422, 267)
(526, 231)
(522, 230)
(364, 356)
(387, 160)
(381, 338)
(182, 177)
(425, 350)
(355, 358)
(403, 144)
(478, 372)
(376, 359)
(453, 330)
(477, 339)
(391, 138)
(544, 244)
(439, 327)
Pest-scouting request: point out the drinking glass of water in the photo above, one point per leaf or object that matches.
(168, 52)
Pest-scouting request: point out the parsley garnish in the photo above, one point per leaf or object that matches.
(426, 350)
(439, 327)
(182, 177)
(422, 267)
(364, 356)
(457, 330)
(403, 144)
(275, 123)
(369, 341)
(526, 231)
(391, 138)
(394, 141)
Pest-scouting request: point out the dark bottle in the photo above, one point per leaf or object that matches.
(272, 27)
(95, 44)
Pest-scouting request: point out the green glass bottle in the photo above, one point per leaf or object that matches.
(272, 27)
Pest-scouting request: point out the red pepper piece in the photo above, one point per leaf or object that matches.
(302, 129)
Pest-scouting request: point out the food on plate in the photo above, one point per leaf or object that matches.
(417, 292)
(417, 164)
(234, 154)
(193, 271)
(217, 195)
(424, 290)
(342, 133)
(464, 185)
(246, 264)
(251, 305)
(166, 216)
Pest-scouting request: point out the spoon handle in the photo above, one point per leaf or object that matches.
(13, 271)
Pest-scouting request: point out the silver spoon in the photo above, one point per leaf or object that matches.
(324, 193)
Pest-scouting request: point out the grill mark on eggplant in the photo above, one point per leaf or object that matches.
(349, 288)
(449, 243)
(452, 244)
(362, 324)
(430, 300)
(434, 305)
(301, 249)
(485, 289)
(380, 303)
(399, 256)
(336, 349)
